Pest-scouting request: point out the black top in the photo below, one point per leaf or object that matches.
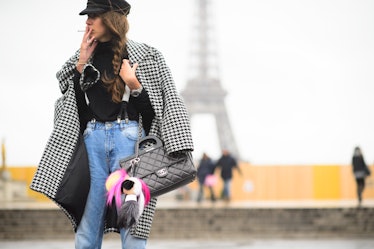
(226, 163)
(101, 107)
(206, 167)
(358, 163)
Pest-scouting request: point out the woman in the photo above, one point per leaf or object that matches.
(360, 171)
(206, 178)
(93, 83)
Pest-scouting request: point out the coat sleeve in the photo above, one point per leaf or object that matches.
(175, 128)
(66, 73)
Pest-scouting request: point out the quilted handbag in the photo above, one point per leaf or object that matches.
(160, 171)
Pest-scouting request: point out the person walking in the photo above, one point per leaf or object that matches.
(360, 171)
(94, 81)
(227, 163)
(206, 178)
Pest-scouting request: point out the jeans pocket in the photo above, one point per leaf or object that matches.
(130, 132)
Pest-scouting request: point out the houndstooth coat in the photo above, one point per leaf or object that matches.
(171, 124)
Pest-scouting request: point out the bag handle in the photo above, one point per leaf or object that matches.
(150, 142)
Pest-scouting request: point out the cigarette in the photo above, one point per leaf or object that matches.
(79, 30)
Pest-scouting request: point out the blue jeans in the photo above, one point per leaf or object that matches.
(200, 196)
(106, 144)
(226, 192)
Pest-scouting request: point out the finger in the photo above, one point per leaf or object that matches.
(93, 45)
(91, 41)
(86, 33)
(123, 64)
(126, 64)
(87, 30)
(135, 66)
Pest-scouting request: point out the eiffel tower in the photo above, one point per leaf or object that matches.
(203, 92)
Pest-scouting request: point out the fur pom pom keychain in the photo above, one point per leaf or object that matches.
(136, 196)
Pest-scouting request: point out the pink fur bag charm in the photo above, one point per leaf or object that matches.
(136, 196)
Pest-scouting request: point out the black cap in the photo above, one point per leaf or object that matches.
(101, 6)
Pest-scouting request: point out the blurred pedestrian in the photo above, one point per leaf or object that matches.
(227, 163)
(360, 171)
(206, 178)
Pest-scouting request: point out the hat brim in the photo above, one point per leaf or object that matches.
(92, 10)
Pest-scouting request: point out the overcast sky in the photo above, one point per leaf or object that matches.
(299, 74)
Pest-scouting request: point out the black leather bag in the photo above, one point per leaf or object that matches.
(161, 172)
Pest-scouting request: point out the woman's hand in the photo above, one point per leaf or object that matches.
(88, 46)
(127, 74)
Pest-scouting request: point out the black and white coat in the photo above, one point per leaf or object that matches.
(171, 124)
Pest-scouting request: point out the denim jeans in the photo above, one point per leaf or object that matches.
(200, 195)
(226, 192)
(106, 144)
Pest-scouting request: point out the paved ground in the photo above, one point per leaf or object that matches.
(171, 203)
(183, 244)
(206, 244)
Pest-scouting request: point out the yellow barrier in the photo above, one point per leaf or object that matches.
(270, 182)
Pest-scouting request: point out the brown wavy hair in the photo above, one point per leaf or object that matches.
(117, 24)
